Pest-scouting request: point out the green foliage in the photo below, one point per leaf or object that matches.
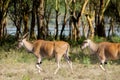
(80, 57)
(115, 39)
(8, 51)
(99, 39)
(8, 43)
(86, 59)
(81, 40)
(113, 9)
(74, 43)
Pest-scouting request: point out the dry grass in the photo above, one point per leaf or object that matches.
(21, 66)
(25, 71)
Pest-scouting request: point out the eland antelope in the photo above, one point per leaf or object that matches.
(42, 48)
(104, 50)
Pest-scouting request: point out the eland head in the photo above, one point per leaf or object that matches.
(21, 40)
(86, 43)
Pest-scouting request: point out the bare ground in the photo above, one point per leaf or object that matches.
(27, 71)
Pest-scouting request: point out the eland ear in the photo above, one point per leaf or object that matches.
(25, 35)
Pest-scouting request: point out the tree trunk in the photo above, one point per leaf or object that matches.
(64, 20)
(3, 30)
(40, 20)
(70, 29)
(79, 18)
(47, 15)
(91, 28)
(111, 29)
(18, 30)
(90, 18)
(56, 19)
(3, 14)
(17, 19)
(99, 18)
(32, 28)
(25, 20)
(56, 28)
(73, 21)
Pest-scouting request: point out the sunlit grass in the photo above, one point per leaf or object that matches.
(26, 77)
(15, 56)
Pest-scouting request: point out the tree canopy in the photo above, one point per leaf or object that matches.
(81, 18)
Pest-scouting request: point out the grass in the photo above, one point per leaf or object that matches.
(26, 77)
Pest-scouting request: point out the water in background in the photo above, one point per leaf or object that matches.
(11, 29)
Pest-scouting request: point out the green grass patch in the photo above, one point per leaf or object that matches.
(25, 57)
(15, 56)
(86, 60)
(26, 77)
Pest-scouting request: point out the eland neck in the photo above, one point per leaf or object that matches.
(93, 46)
(28, 45)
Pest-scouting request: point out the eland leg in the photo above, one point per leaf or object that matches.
(69, 62)
(102, 58)
(38, 65)
(58, 58)
(58, 67)
(101, 65)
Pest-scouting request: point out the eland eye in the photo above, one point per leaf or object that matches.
(85, 42)
(19, 41)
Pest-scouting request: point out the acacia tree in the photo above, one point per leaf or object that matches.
(90, 16)
(73, 34)
(15, 14)
(75, 19)
(65, 19)
(113, 13)
(19, 13)
(95, 15)
(57, 6)
(25, 14)
(33, 16)
(40, 20)
(74, 10)
(47, 14)
(3, 14)
(99, 16)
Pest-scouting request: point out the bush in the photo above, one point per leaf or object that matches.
(115, 39)
(99, 39)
